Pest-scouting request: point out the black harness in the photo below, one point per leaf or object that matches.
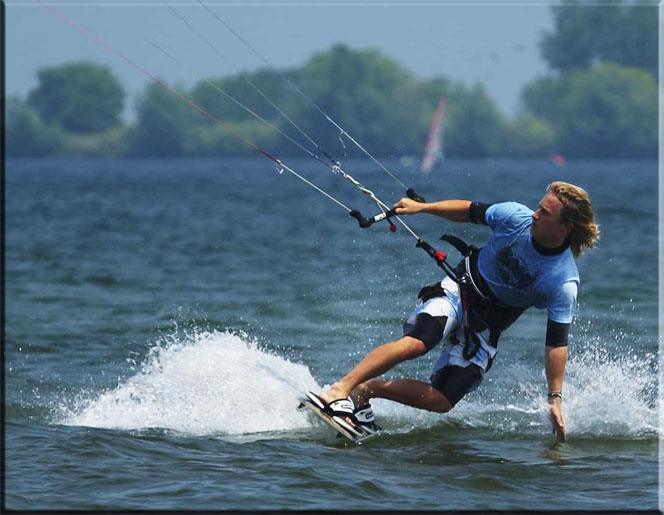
(481, 309)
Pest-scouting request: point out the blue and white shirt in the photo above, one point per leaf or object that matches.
(517, 274)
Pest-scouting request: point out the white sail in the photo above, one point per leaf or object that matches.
(433, 152)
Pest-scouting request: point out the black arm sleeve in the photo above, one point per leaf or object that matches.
(556, 334)
(477, 212)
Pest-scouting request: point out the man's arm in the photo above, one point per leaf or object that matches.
(557, 337)
(555, 358)
(454, 210)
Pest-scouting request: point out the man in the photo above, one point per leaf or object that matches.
(528, 261)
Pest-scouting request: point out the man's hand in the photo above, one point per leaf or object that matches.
(556, 418)
(555, 370)
(408, 206)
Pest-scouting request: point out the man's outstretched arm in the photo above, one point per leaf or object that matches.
(455, 210)
(555, 359)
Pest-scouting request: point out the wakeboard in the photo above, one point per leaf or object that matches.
(343, 428)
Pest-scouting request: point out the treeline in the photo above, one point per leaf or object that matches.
(599, 100)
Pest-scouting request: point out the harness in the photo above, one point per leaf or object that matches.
(481, 309)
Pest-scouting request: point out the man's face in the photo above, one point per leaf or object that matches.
(547, 225)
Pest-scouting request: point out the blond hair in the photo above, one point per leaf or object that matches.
(578, 211)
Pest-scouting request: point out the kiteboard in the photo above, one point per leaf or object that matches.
(351, 431)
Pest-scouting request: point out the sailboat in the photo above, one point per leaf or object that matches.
(433, 152)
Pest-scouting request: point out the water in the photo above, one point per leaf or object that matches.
(163, 317)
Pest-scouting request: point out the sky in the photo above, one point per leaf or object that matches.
(494, 43)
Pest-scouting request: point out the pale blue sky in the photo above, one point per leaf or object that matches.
(495, 43)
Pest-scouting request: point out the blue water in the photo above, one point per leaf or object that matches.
(162, 318)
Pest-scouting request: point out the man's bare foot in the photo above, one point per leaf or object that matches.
(333, 393)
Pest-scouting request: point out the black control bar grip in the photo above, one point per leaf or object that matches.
(368, 222)
(410, 192)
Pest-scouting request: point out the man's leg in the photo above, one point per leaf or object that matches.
(377, 362)
(412, 392)
(448, 385)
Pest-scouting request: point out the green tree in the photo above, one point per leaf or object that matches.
(371, 96)
(475, 126)
(528, 136)
(217, 141)
(368, 94)
(80, 97)
(540, 95)
(612, 31)
(163, 123)
(207, 94)
(26, 135)
(377, 101)
(609, 111)
(110, 143)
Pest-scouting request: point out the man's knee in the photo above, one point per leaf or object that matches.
(441, 405)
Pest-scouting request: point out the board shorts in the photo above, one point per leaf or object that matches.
(452, 374)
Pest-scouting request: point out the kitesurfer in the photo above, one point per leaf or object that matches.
(528, 261)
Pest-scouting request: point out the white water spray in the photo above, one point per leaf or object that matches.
(221, 383)
(208, 383)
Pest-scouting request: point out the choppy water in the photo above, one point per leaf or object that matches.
(163, 316)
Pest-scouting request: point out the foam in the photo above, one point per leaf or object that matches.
(603, 395)
(608, 395)
(208, 383)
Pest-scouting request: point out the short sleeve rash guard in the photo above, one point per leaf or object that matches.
(518, 274)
